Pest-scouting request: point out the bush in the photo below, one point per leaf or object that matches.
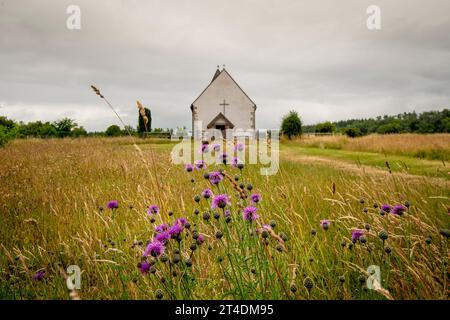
(79, 132)
(291, 125)
(392, 127)
(3, 136)
(64, 127)
(6, 123)
(352, 132)
(113, 131)
(426, 122)
(37, 129)
(325, 127)
(8, 130)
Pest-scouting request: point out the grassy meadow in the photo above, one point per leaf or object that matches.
(320, 221)
(422, 146)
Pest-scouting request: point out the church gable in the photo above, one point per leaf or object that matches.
(222, 80)
(224, 98)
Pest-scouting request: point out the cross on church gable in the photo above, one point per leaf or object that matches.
(224, 104)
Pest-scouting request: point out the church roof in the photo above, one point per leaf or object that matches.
(225, 119)
(216, 75)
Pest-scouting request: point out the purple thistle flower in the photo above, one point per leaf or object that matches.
(220, 201)
(255, 198)
(223, 158)
(161, 228)
(250, 214)
(356, 234)
(182, 221)
(162, 237)
(267, 227)
(175, 230)
(144, 267)
(200, 164)
(325, 224)
(207, 193)
(188, 167)
(215, 177)
(200, 239)
(205, 148)
(398, 209)
(155, 249)
(39, 275)
(153, 209)
(113, 204)
(234, 162)
(227, 213)
(386, 208)
(239, 147)
(216, 147)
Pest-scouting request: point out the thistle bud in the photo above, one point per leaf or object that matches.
(387, 249)
(159, 294)
(293, 288)
(272, 223)
(308, 283)
(176, 258)
(383, 235)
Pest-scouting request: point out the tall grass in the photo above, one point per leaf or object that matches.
(426, 146)
(52, 205)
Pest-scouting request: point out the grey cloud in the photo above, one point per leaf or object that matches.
(313, 56)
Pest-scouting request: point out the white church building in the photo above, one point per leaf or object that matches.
(222, 105)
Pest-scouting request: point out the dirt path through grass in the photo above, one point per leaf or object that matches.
(289, 154)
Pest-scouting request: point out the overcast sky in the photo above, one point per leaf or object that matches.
(316, 57)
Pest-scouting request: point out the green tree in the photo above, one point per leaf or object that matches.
(426, 122)
(6, 123)
(391, 127)
(325, 127)
(37, 129)
(113, 131)
(64, 127)
(79, 132)
(8, 130)
(352, 132)
(291, 125)
(47, 130)
(4, 138)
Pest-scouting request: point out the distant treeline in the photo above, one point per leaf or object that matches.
(408, 122)
(66, 127)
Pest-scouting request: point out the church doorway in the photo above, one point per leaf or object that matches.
(222, 123)
(222, 128)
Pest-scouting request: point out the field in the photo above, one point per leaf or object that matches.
(426, 146)
(320, 221)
